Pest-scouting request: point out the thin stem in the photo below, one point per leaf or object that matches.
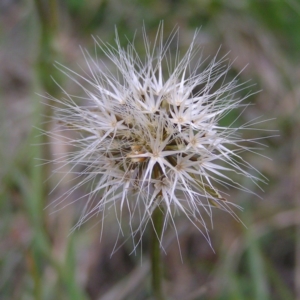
(48, 16)
(156, 263)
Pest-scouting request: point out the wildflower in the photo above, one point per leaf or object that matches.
(150, 136)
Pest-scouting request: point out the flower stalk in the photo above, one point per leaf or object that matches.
(156, 259)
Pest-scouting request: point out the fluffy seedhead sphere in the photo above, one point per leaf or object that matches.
(148, 134)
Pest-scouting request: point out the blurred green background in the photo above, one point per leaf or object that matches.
(38, 257)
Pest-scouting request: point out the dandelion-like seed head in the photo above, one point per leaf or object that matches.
(150, 136)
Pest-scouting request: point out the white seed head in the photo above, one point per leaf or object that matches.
(150, 134)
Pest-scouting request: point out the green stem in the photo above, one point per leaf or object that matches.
(48, 15)
(156, 261)
(38, 199)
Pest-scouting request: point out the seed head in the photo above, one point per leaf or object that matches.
(149, 133)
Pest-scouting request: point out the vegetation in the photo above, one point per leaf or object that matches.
(38, 257)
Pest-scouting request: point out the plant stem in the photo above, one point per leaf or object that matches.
(156, 262)
(48, 15)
